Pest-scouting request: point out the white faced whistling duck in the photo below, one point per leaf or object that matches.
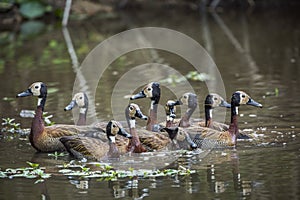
(170, 109)
(212, 101)
(46, 138)
(181, 139)
(92, 148)
(144, 140)
(131, 112)
(189, 99)
(81, 100)
(225, 138)
(152, 91)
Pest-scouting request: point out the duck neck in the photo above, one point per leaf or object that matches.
(82, 117)
(185, 120)
(135, 145)
(233, 128)
(113, 149)
(169, 122)
(131, 123)
(152, 120)
(37, 125)
(208, 115)
(41, 102)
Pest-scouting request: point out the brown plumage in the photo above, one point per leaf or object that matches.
(144, 140)
(212, 101)
(93, 148)
(149, 140)
(81, 100)
(46, 138)
(209, 138)
(168, 138)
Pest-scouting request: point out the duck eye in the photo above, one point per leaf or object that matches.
(80, 97)
(184, 96)
(114, 126)
(36, 87)
(148, 89)
(215, 98)
(130, 108)
(243, 96)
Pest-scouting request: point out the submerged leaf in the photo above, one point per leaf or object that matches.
(32, 28)
(32, 9)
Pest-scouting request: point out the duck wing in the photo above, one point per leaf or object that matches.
(153, 140)
(85, 147)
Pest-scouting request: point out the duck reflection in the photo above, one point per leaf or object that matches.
(216, 175)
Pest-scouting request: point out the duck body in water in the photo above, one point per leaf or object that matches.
(93, 148)
(46, 138)
(209, 138)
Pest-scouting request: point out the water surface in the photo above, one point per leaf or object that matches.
(265, 57)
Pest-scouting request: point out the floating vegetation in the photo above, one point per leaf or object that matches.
(196, 76)
(8, 98)
(192, 75)
(10, 126)
(105, 171)
(34, 171)
(272, 93)
(173, 79)
(31, 113)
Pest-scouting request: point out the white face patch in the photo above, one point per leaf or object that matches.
(112, 139)
(79, 98)
(184, 99)
(148, 91)
(132, 123)
(82, 110)
(36, 93)
(35, 88)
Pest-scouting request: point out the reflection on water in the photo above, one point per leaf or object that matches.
(252, 52)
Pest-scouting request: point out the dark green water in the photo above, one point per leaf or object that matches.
(266, 169)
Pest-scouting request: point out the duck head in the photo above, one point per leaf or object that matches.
(241, 98)
(189, 99)
(170, 108)
(113, 128)
(151, 90)
(132, 111)
(214, 100)
(80, 99)
(38, 89)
